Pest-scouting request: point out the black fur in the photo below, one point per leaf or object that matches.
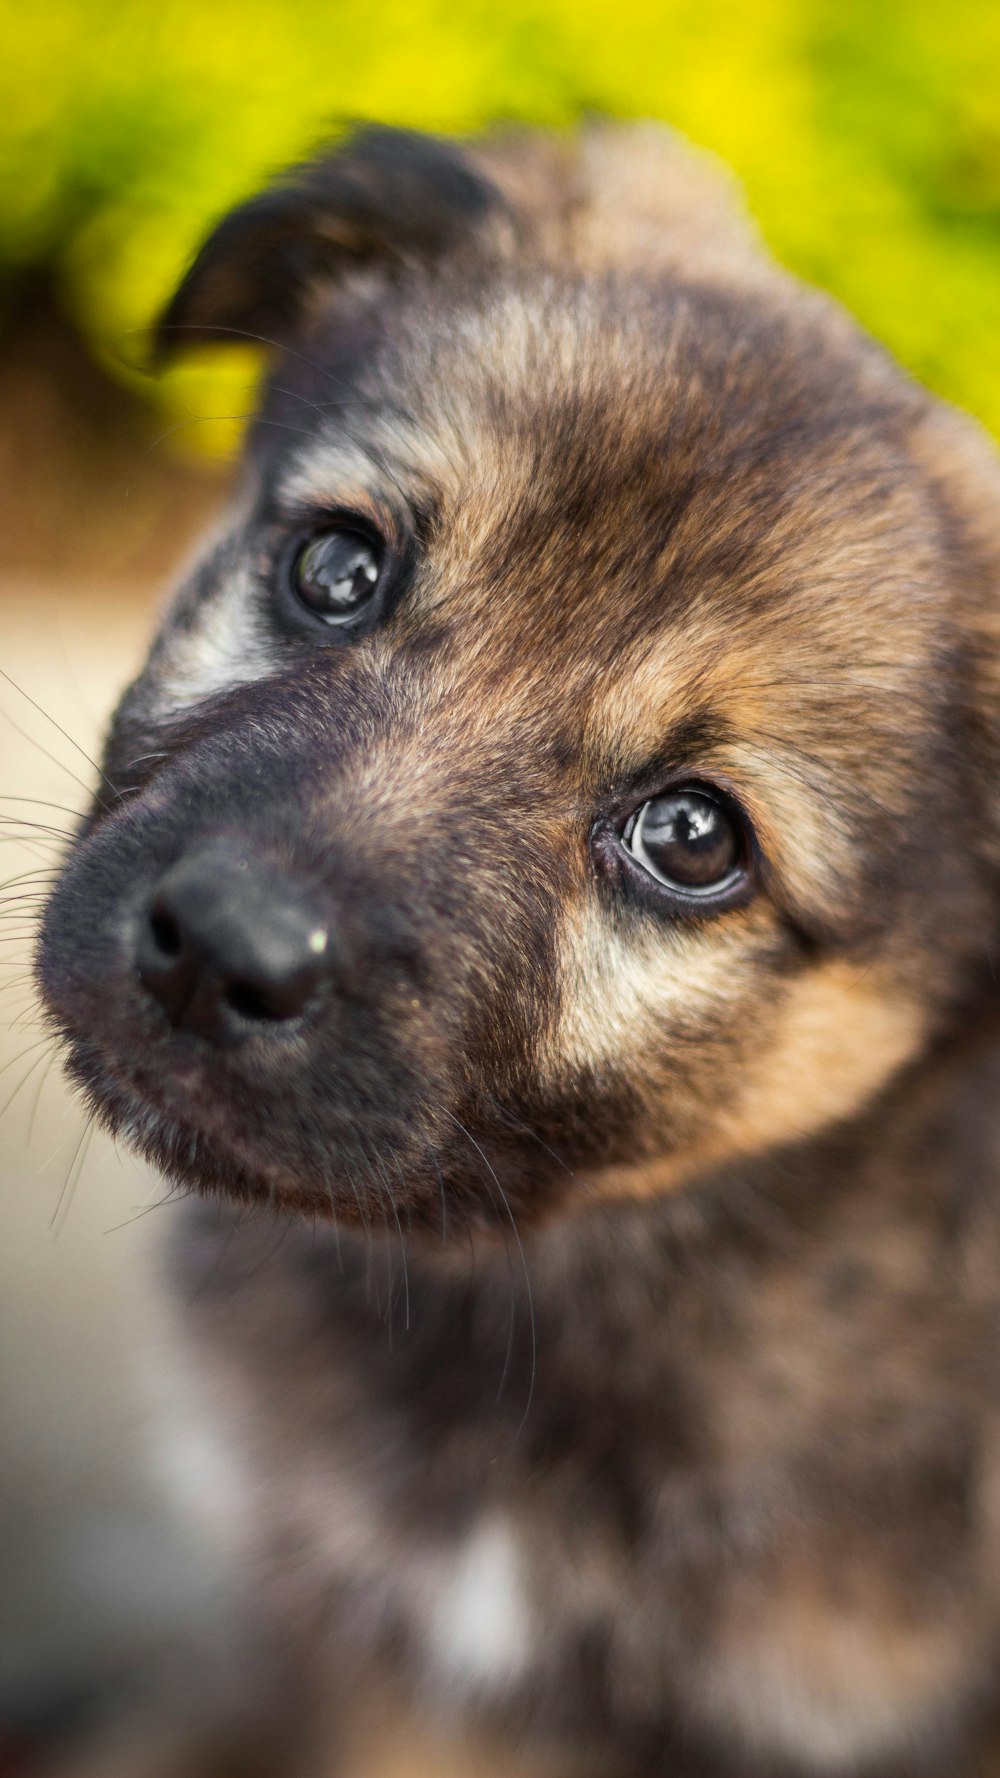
(394, 196)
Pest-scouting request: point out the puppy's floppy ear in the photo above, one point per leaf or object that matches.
(384, 195)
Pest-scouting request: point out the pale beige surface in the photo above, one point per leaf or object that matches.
(92, 516)
(76, 1498)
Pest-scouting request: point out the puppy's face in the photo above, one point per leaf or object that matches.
(566, 771)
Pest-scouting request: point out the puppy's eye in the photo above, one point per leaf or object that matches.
(336, 575)
(688, 840)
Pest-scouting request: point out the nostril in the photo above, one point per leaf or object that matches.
(167, 935)
(252, 1002)
(166, 964)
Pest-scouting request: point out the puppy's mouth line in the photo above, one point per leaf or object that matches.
(181, 1138)
(127, 1103)
(196, 1160)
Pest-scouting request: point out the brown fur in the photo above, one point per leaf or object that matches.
(663, 516)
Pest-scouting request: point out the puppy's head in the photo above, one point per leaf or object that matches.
(574, 764)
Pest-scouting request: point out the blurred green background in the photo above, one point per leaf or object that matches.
(867, 134)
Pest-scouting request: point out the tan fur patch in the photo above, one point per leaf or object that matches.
(818, 1052)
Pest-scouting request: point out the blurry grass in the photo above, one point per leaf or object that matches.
(867, 134)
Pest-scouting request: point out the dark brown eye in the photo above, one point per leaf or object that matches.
(688, 840)
(336, 576)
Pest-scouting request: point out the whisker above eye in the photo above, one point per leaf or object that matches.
(210, 419)
(260, 339)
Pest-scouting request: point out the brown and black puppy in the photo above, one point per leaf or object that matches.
(551, 864)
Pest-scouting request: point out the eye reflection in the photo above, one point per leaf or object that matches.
(336, 575)
(686, 839)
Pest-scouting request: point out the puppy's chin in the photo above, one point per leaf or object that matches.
(200, 1145)
(190, 1142)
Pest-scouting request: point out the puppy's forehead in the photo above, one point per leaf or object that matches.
(669, 495)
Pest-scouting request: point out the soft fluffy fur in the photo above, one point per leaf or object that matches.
(629, 1384)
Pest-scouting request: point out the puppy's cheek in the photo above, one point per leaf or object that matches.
(223, 644)
(728, 1054)
(804, 1055)
(837, 1036)
(624, 992)
(659, 1012)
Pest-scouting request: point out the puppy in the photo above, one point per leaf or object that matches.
(548, 872)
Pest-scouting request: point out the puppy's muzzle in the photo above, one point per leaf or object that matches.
(232, 944)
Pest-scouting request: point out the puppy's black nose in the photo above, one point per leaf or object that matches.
(230, 944)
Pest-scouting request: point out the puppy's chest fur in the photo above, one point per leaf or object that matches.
(726, 1487)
